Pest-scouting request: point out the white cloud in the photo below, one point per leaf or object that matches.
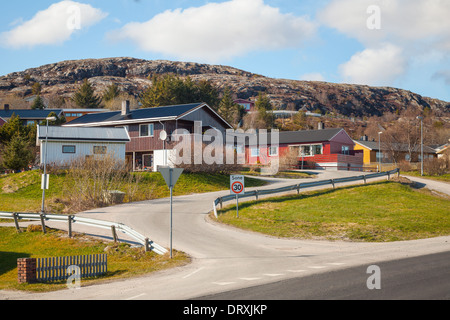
(218, 31)
(53, 25)
(375, 66)
(409, 31)
(402, 21)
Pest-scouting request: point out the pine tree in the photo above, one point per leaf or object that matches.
(263, 107)
(228, 109)
(111, 92)
(17, 154)
(85, 96)
(12, 127)
(171, 90)
(38, 103)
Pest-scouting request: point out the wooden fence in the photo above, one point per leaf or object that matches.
(55, 269)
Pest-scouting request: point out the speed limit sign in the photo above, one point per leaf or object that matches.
(237, 184)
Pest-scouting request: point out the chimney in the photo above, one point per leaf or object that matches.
(6, 107)
(125, 108)
(321, 125)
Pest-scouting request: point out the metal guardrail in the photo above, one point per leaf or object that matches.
(304, 185)
(148, 244)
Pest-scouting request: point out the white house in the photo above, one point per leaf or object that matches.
(68, 143)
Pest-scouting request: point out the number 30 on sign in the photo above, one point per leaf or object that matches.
(237, 184)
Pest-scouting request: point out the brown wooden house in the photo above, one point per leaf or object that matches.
(146, 150)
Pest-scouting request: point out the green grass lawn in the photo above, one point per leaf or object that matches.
(384, 211)
(21, 192)
(123, 260)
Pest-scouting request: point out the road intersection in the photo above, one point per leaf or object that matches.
(225, 258)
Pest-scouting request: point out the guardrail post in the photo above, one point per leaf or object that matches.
(16, 222)
(147, 245)
(365, 180)
(215, 209)
(332, 182)
(70, 225)
(43, 222)
(221, 203)
(256, 194)
(114, 233)
(298, 189)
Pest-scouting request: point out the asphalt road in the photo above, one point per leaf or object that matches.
(423, 278)
(225, 258)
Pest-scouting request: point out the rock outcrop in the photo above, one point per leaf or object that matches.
(133, 76)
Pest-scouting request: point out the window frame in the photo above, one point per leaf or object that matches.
(105, 148)
(275, 153)
(254, 152)
(69, 146)
(150, 130)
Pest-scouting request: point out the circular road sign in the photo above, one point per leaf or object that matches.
(237, 187)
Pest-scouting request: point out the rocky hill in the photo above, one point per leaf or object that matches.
(132, 75)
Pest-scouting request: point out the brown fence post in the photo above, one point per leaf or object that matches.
(26, 270)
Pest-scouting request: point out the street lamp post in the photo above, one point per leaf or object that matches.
(45, 165)
(379, 151)
(421, 144)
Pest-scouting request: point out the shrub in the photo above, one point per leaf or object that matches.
(436, 167)
(93, 181)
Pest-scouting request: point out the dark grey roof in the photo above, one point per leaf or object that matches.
(138, 114)
(84, 134)
(305, 136)
(29, 114)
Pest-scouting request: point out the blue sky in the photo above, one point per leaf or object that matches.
(397, 43)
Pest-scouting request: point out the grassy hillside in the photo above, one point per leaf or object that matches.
(21, 192)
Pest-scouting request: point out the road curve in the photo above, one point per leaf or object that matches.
(225, 258)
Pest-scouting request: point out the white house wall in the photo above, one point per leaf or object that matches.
(82, 149)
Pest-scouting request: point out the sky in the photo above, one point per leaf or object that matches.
(397, 43)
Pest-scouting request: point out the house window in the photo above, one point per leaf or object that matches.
(147, 160)
(273, 151)
(68, 149)
(100, 149)
(317, 149)
(146, 130)
(254, 152)
(345, 150)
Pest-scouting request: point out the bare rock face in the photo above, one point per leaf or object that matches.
(133, 76)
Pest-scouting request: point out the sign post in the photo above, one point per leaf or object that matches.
(171, 176)
(237, 186)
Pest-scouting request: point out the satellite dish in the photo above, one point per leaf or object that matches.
(163, 135)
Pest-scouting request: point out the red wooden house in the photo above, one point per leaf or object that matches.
(330, 149)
